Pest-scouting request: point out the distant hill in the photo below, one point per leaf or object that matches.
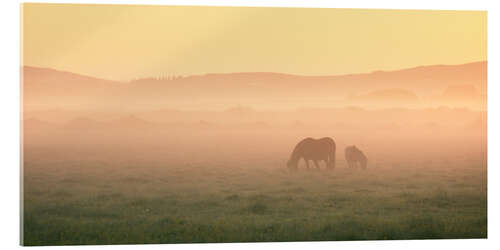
(461, 92)
(421, 79)
(46, 75)
(41, 79)
(462, 95)
(48, 89)
(130, 122)
(392, 97)
(81, 123)
(124, 122)
(36, 124)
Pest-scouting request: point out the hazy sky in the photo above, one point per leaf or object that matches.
(124, 42)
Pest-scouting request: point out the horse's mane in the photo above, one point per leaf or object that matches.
(297, 147)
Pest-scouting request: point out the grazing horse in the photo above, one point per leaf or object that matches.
(316, 150)
(355, 157)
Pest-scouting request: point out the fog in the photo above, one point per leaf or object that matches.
(431, 117)
(204, 158)
(243, 137)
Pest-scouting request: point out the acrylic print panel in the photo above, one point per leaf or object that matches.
(173, 124)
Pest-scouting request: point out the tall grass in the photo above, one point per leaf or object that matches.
(100, 204)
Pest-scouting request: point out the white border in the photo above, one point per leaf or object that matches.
(365, 4)
(10, 146)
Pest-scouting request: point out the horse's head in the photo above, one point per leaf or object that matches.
(363, 162)
(291, 165)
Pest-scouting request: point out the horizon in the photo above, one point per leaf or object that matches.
(254, 72)
(461, 85)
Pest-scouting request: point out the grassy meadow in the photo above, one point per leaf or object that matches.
(174, 124)
(75, 194)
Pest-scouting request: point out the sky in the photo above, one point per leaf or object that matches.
(124, 42)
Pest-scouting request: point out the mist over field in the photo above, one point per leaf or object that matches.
(204, 158)
(151, 117)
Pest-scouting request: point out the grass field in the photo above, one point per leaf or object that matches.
(99, 201)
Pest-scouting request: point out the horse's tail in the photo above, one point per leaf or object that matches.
(332, 155)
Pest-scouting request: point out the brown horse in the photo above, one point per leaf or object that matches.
(316, 150)
(355, 157)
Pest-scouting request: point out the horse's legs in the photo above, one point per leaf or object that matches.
(307, 162)
(316, 164)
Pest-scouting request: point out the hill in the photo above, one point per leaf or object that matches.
(48, 89)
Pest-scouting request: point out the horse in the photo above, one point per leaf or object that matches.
(313, 149)
(355, 157)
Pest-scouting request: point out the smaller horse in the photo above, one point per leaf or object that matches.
(355, 157)
(316, 150)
